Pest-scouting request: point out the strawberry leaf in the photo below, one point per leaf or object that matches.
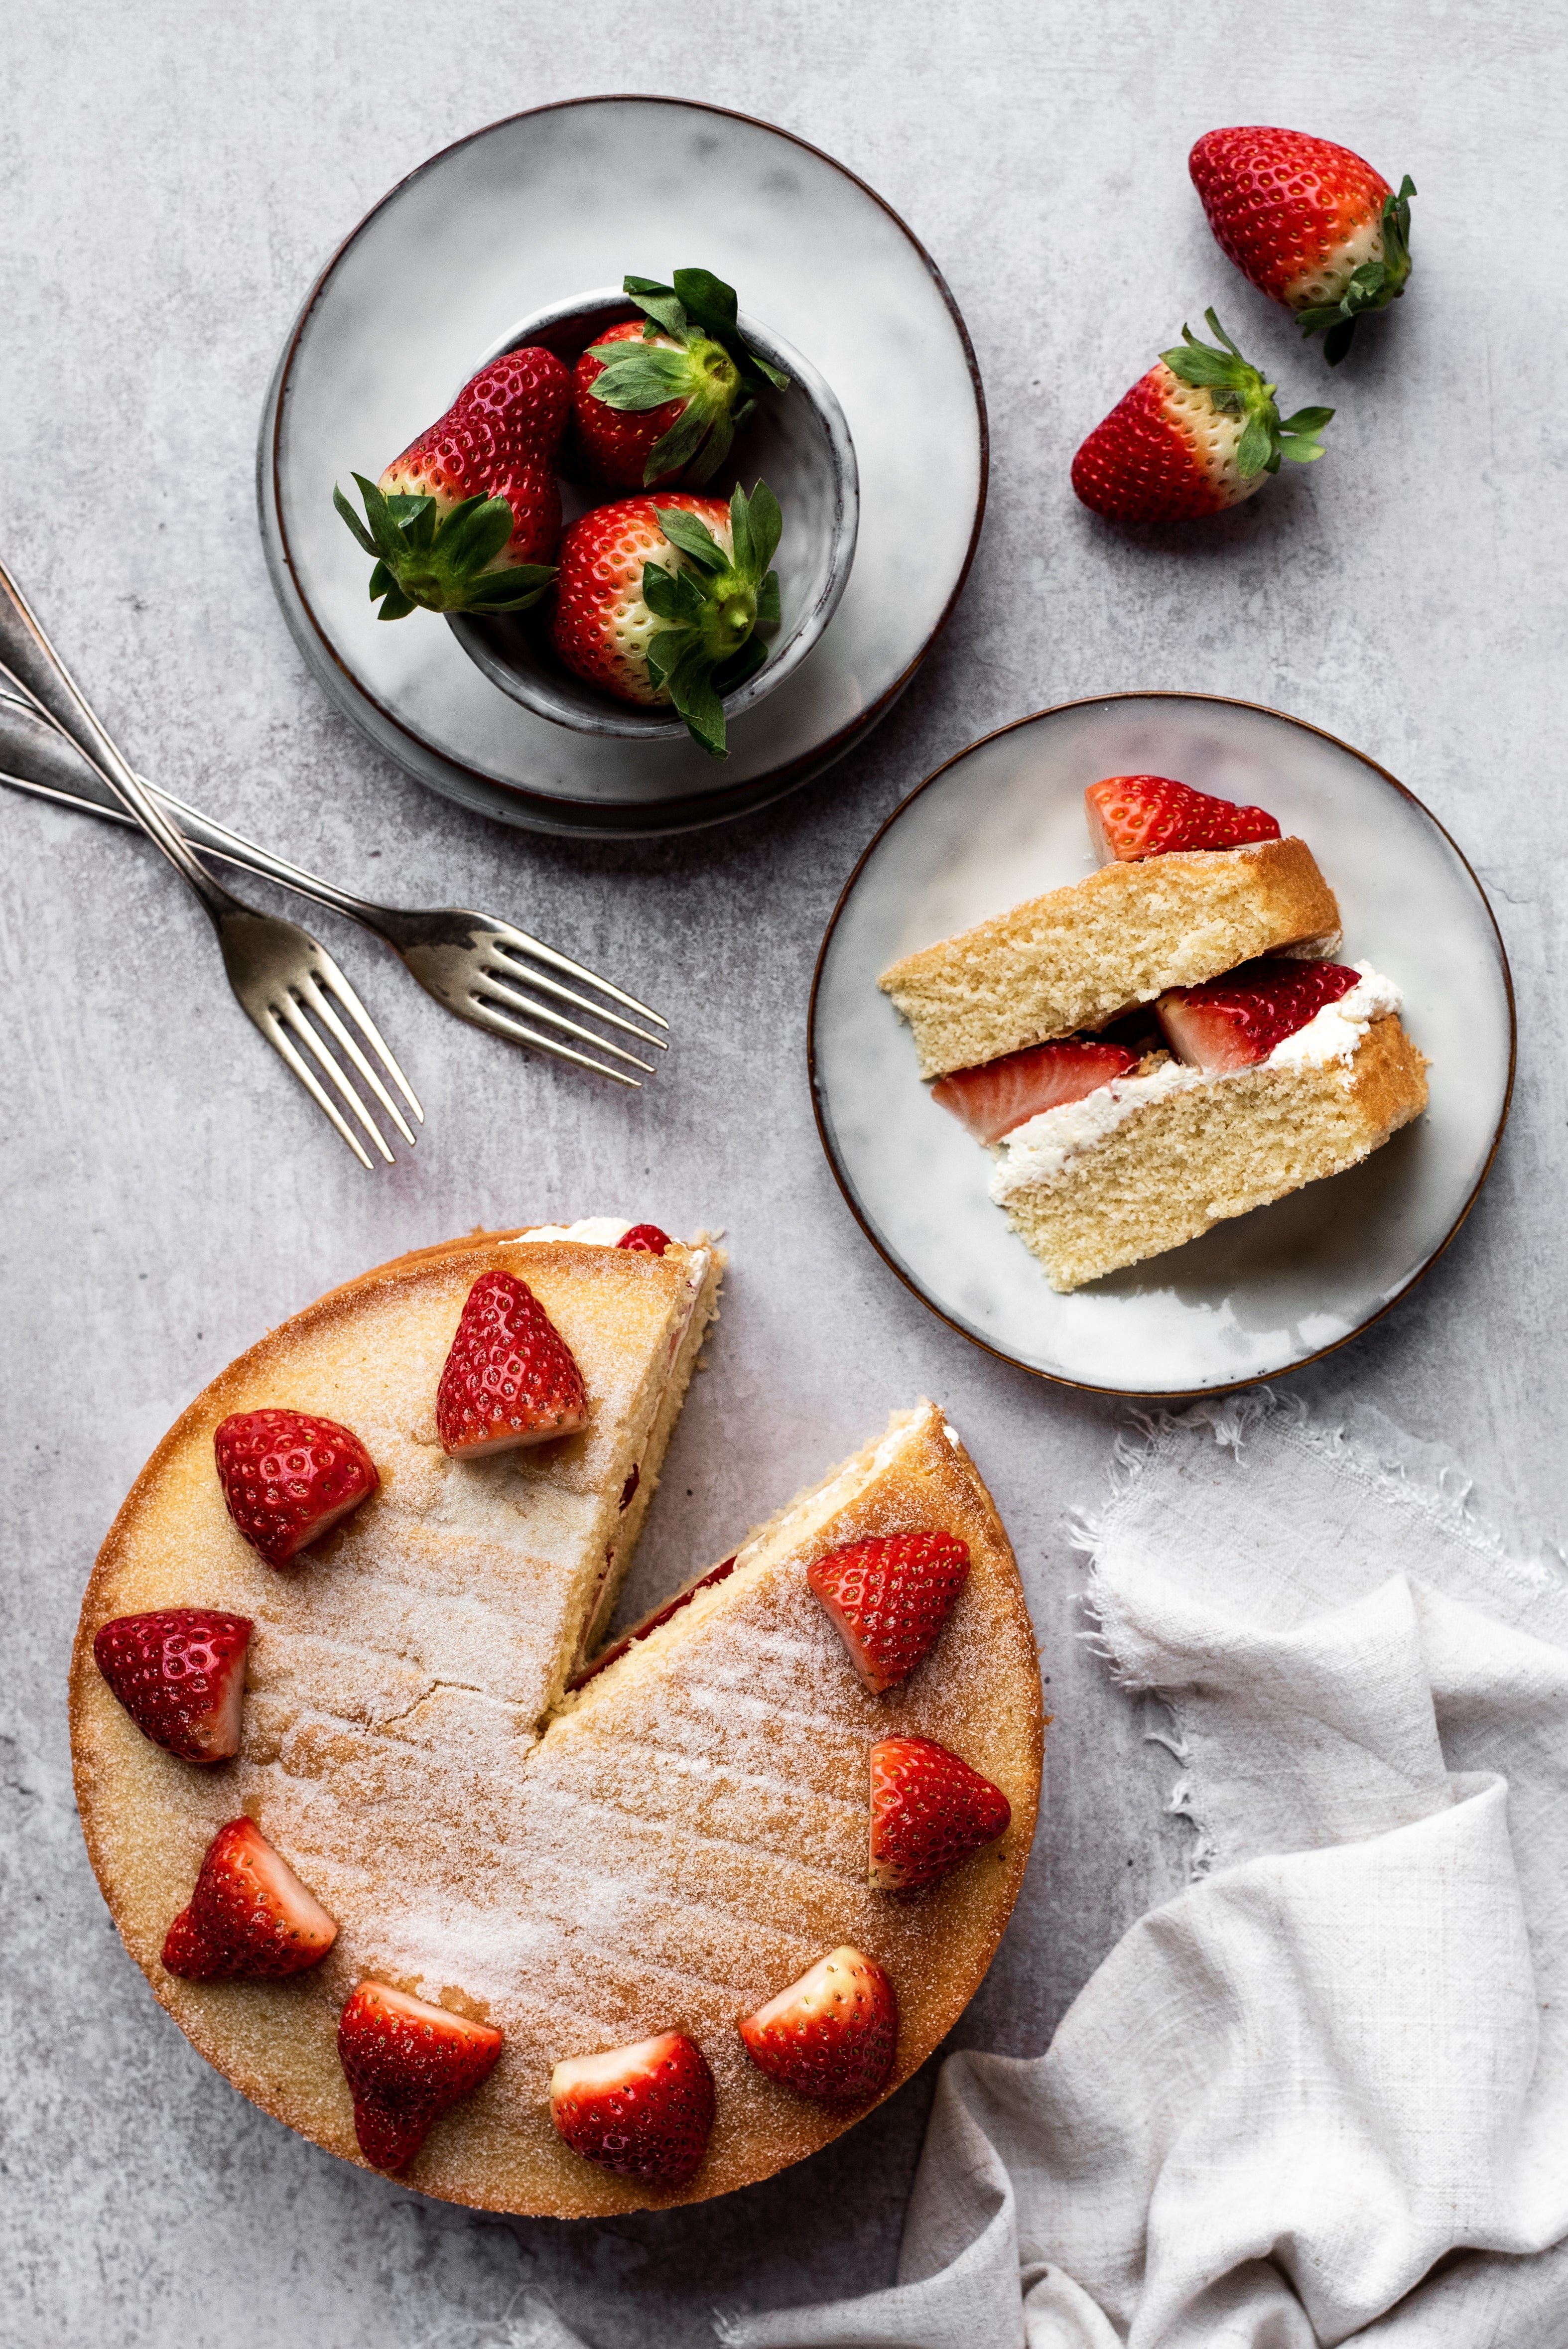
(692, 691)
(763, 524)
(660, 303)
(639, 375)
(396, 605)
(671, 595)
(693, 537)
(516, 590)
(709, 457)
(352, 519)
(685, 437)
(742, 665)
(767, 610)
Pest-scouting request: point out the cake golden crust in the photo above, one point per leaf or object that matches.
(1178, 1166)
(665, 1850)
(1078, 955)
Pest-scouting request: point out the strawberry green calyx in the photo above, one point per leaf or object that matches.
(1236, 388)
(439, 562)
(712, 370)
(1372, 286)
(717, 607)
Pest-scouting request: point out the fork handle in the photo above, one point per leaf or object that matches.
(28, 651)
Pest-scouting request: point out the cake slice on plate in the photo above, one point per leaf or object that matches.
(1189, 887)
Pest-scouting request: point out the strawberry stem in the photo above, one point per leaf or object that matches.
(1237, 388)
(1372, 286)
(705, 363)
(440, 562)
(716, 606)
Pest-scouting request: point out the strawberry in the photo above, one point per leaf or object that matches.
(1196, 434)
(645, 1239)
(889, 1598)
(661, 601)
(466, 518)
(651, 1622)
(289, 1476)
(405, 2063)
(832, 2033)
(510, 1378)
(928, 1811)
(1131, 816)
(1309, 223)
(1235, 1021)
(658, 398)
(181, 1675)
(998, 1095)
(646, 2109)
(250, 1915)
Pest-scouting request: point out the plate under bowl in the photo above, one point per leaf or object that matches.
(523, 215)
(1265, 1292)
(796, 442)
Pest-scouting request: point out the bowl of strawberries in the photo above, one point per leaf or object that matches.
(580, 515)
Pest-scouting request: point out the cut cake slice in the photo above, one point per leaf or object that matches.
(1078, 956)
(1149, 1162)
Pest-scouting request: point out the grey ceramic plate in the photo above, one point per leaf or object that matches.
(1268, 1291)
(527, 213)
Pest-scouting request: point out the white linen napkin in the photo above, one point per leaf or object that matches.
(1323, 2095)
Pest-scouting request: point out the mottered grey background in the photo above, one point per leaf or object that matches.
(174, 176)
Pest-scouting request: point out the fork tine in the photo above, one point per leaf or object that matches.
(272, 1029)
(519, 939)
(293, 1016)
(320, 1002)
(517, 968)
(327, 971)
(496, 987)
(489, 1015)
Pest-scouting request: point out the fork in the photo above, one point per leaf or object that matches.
(473, 963)
(277, 970)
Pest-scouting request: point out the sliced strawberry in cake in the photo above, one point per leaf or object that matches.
(1133, 816)
(889, 1598)
(928, 1811)
(180, 1673)
(1235, 1021)
(405, 2063)
(645, 2110)
(833, 2034)
(1001, 1094)
(288, 1477)
(510, 1378)
(250, 1916)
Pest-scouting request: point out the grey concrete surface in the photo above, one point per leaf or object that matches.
(174, 174)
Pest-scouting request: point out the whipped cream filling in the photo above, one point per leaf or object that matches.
(1038, 1150)
(593, 1231)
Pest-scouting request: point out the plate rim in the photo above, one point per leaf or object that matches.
(693, 808)
(1000, 1353)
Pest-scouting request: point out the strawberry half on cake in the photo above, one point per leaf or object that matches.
(1130, 1110)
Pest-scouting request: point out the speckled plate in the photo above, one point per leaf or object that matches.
(529, 212)
(1267, 1291)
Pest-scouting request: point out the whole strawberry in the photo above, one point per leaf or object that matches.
(1198, 433)
(250, 1916)
(180, 1673)
(289, 1476)
(658, 398)
(663, 601)
(406, 2064)
(889, 1598)
(645, 1239)
(833, 2034)
(510, 1378)
(466, 520)
(1309, 223)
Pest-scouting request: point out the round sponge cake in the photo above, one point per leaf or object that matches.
(664, 1847)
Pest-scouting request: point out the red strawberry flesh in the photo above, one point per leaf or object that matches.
(645, 1239)
(831, 2034)
(889, 1598)
(1000, 1095)
(1131, 816)
(510, 1378)
(1235, 1021)
(180, 1673)
(645, 2110)
(406, 2064)
(288, 1478)
(651, 1622)
(930, 1810)
(249, 1916)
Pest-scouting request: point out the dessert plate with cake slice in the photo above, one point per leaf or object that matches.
(458, 1891)
(1160, 1042)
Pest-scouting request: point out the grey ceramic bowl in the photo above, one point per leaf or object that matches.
(796, 442)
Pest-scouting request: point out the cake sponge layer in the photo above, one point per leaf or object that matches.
(1179, 1164)
(1078, 955)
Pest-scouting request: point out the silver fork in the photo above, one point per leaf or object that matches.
(277, 970)
(474, 965)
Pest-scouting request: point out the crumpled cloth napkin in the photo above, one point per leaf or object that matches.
(1323, 2095)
